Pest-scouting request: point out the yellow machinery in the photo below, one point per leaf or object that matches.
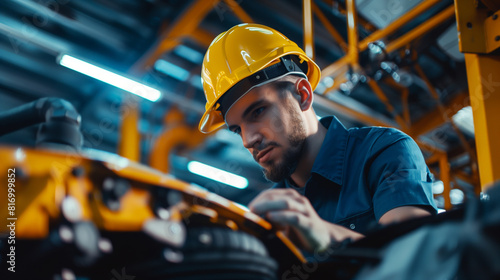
(91, 212)
(64, 195)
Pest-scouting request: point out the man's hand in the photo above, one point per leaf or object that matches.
(293, 213)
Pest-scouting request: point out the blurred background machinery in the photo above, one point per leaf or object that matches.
(388, 63)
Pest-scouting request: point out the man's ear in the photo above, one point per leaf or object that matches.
(305, 92)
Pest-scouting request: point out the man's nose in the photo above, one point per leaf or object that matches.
(250, 137)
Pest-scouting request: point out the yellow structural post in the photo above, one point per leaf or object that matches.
(352, 31)
(130, 139)
(308, 28)
(326, 23)
(483, 77)
(479, 37)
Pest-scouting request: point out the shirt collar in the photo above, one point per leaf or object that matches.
(329, 162)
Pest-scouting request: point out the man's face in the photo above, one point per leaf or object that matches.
(271, 126)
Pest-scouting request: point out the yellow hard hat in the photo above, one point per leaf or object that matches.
(246, 56)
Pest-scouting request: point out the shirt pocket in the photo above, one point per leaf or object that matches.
(361, 222)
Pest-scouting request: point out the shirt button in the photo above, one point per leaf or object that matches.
(352, 226)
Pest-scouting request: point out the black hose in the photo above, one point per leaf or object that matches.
(60, 121)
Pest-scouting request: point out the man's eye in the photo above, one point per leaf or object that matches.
(257, 112)
(237, 130)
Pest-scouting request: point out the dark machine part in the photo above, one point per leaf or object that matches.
(467, 246)
(70, 248)
(112, 191)
(58, 119)
(208, 253)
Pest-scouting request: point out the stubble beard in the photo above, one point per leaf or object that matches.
(285, 167)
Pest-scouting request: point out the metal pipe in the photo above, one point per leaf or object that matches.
(60, 121)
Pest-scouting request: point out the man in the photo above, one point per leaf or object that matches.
(332, 183)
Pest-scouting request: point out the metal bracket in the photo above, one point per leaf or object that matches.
(478, 32)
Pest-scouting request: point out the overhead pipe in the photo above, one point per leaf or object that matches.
(60, 122)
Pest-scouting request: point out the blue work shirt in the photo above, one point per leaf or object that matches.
(361, 173)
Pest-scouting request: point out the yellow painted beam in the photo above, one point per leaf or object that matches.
(444, 175)
(447, 116)
(238, 11)
(342, 63)
(435, 118)
(352, 31)
(308, 23)
(470, 22)
(331, 29)
(398, 23)
(492, 32)
(130, 138)
(202, 36)
(175, 134)
(350, 113)
(383, 98)
(421, 29)
(186, 23)
(483, 78)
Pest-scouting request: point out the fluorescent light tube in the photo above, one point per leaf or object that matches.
(110, 77)
(218, 175)
(172, 70)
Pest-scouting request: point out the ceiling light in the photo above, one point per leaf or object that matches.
(218, 175)
(171, 70)
(110, 77)
(189, 54)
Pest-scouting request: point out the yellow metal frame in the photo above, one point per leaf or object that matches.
(477, 32)
(185, 24)
(129, 145)
(383, 98)
(447, 117)
(333, 69)
(484, 85)
(176, 133)
(238, 11)
(308, 28)
(479, 36)
(331, 29)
